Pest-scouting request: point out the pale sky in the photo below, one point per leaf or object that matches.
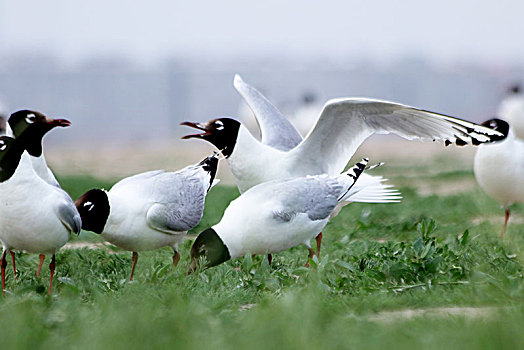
(443, 30)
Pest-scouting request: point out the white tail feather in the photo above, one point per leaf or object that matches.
(371, 189)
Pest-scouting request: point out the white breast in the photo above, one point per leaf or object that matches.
(499, 170)
(127, 227)
(248, 225)
(28, 217)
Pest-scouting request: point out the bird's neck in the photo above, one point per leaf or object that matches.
(248, 158)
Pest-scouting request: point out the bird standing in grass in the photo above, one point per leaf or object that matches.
(36, 217)
(149, 210)
(275, 216)
(499, 167)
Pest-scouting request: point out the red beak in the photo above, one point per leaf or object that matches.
(196, 126)
(59, 122)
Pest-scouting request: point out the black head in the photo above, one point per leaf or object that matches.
(498, 125)
(221, 132)
(10, 153)
(514, 89)
(210, 246)
(210, 164)
(32, 126)
(93, 207)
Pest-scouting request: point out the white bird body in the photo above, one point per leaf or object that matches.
(275, 216)
(31, 216)
(248, 224)
(499, 170)
(150, 210)
(134, 198)
(499, 167)
(135, 201)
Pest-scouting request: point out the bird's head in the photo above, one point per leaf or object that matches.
(93, 207)
(497, 125)
(32, 126)
(209, 246)
(221, 132)
(10, 153)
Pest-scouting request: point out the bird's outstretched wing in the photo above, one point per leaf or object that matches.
(345, 123)
(275, 129)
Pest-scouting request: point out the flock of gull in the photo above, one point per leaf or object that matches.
(290, 186)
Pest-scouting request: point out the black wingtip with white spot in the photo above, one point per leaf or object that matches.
(358, 169)
(354, 173)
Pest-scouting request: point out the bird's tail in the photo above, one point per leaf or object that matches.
(372, 189)
(210, 164)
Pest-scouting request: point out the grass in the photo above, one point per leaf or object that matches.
(377, 261)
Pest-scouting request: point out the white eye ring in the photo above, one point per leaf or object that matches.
(3, 145)
(220, 125)
(30, 118)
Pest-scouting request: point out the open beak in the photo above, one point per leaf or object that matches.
(198, 126)
(59, 122)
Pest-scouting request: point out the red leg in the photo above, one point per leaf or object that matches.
(310, 256)
(13, 258)
(52, 269)
(3, 264)
(319, 241)
(269, 259)
(42, 257)
(506, 218)
(135, 258)
(176, 258)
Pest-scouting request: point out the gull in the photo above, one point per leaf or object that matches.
(342, 126)
(36, 217)
(499, 167)
(34, 125)
(149, 210)
(274, 216)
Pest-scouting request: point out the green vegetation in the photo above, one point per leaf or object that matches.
(378, 265)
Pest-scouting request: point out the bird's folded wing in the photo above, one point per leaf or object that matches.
(275, 129)
(317, 197)
(69, 216)
(345, 123)
(179, 205)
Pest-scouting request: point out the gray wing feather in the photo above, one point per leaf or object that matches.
(179, 203)
(315, 196)
(276, 130)
(69, 216)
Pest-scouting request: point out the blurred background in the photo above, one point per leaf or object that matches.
(126, 74)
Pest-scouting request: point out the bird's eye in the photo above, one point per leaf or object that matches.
(30, 118)
(89, 204)
(3, 146)
(219, 125)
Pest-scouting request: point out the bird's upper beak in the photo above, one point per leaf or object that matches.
(58, 122)
(199, 126)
